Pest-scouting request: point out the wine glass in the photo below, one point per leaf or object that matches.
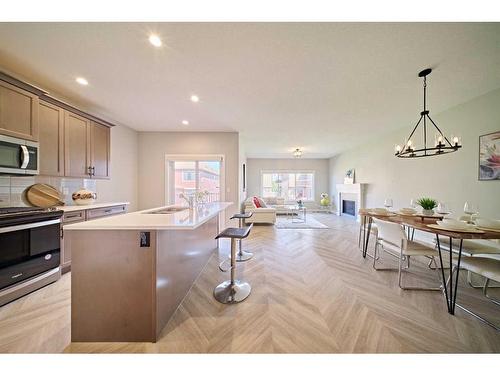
(413, 203)
(388, 203)
(442, 209)
(471, 209)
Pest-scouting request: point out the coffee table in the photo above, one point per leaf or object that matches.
(297, 213)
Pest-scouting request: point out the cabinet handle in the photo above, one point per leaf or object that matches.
(72, 216)
(93, 171)
(107, 211)
(90, 171)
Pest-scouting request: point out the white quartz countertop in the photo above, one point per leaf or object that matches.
(146, 220)
(90, 206)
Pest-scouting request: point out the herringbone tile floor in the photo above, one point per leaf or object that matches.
(312, 292)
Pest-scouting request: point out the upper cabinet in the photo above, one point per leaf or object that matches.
(99, 150)
(76, 146)
(72, 143)
(51, 139)
(86, 147)
(18, 112)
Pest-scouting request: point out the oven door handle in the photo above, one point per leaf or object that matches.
(29, 226)
(25, 157)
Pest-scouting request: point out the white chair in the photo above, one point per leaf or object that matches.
(392, 237)
(472, 248)
(489, 268)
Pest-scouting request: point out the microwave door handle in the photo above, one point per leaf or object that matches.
(25, 157)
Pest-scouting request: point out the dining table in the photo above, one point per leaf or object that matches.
(421, 222)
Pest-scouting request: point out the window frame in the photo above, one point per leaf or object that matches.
(289, 171)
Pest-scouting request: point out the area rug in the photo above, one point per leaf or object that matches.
(311, 223)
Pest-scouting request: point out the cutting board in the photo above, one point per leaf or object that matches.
(43, 195)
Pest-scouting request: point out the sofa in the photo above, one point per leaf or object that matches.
(265, 215)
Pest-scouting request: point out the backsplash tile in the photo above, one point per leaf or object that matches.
(12, 187)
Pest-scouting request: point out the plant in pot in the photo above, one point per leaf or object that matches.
(428, 205)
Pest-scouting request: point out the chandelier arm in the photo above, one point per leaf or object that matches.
(415, 128)
(439, 130)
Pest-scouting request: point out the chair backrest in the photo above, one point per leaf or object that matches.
(391, 232)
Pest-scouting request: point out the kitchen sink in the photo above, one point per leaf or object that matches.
(168, 210)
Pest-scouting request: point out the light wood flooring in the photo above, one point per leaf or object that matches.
(312, 292)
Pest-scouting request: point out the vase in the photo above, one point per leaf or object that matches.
(428, 212)
(324, 201)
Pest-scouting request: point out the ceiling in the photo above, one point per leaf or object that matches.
(323, 87)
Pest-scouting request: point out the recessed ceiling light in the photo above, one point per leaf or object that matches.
(155, 40)
(82, 81)
(195, 99)
(185, 122)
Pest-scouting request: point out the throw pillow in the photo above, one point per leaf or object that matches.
(262, 202)
(256, 202)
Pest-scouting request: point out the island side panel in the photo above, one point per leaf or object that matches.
(112, 286)
(181, 256)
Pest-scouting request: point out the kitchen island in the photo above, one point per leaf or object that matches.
(130, 272)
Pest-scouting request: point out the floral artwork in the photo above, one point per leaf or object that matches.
(489, 156)
(349, 176)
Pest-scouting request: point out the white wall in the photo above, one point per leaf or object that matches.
(153, 146)
(123, 184)
(452, 178)
(242, 160)
(319, 166)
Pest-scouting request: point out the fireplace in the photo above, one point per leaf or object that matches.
(348, 207)
(353, 193)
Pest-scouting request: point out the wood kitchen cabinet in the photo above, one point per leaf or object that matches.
(18, 112)
(86, 147)
(99, 150)
(76, 145)
(51, 139)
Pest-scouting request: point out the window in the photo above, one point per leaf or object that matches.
(289, 185)
(188, 175)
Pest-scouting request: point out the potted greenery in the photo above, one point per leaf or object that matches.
(428, 205)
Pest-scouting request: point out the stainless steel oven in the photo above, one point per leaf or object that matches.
(18, 156)
(29, 250)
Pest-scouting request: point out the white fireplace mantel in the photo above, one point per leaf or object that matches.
(356, 191)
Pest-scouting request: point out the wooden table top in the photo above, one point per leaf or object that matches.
(420, 223)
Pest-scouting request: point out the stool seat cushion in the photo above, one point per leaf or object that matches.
(245, 215)
(238, 233)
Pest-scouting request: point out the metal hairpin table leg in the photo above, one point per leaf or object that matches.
(368, 230)
(451, 294)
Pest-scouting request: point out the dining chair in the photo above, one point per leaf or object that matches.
(489, 268)
(472, 248)
(392, 238)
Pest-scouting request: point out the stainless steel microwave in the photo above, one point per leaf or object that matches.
(18, 156)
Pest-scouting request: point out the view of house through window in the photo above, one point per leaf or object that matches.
(190, 177)
(288, 185)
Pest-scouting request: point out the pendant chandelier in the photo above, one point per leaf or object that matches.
(297, 153)
(442, 144)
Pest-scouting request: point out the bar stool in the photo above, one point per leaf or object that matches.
(232, 291)
(242, 256)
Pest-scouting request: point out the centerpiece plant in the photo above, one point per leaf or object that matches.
(428, 205)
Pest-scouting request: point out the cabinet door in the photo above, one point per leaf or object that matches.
(76, 145)
(100, 150)
(51, 138)
(18, 112)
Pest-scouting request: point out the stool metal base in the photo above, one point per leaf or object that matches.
(242, 256)
(232, 293)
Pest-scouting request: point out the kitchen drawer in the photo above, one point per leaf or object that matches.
(73, 217)
(105, 211)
